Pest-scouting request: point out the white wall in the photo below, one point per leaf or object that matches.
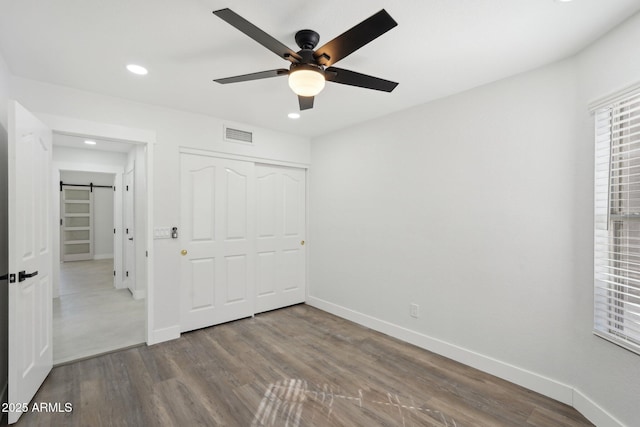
(92, 160)
(173, 129)
(102, 209)
(479, 208)
(611, 64)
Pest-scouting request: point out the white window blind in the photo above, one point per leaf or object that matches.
(617, 222)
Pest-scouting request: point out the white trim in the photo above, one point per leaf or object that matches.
(77, 127)
(533, 381)
(102, 256)
(613, 97)
(593, 412)
(138, 294)
(241, 157)
(71, 126)
(165, 334)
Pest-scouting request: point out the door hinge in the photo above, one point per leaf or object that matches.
(60, 221)
(114, 273)
(127, 274)
(127, 188)
(114, 231)
(146, 253)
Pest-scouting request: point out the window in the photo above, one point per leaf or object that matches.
(617, 221)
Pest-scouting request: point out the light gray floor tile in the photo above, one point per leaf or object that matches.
(92, 317)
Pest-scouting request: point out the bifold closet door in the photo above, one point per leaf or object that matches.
(280, 237)
(218, 236)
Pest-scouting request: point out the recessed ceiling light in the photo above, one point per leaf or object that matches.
(563, 1)
(89, 142)
(137, 69)
(293, 115)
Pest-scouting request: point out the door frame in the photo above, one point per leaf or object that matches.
(142, 137)
(58, 167)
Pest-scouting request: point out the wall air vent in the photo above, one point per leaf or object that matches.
(238, 135)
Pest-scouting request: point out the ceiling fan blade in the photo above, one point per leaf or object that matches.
(351, 78)
(253, 76)
(257, 34)
(353, 39)
(306, 102)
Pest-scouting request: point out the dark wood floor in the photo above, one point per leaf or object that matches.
(293, 367)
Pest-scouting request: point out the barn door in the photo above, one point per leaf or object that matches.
(280, 237)
(76, 212)
(217, 240)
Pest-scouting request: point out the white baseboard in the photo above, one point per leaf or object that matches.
(164, 334)
(138, 294)
(556, 390)
(102, 256)
(593, 412)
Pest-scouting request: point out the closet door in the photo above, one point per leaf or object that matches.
(280, 237)
(76, 207)
(217, 238)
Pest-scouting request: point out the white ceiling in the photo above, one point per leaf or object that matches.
(440, 47)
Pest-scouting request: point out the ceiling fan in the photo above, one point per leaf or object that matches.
(311, 68)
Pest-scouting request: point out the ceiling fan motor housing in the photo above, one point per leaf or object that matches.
(307, 39)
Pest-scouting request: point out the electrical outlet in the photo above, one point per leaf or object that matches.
(413, 310)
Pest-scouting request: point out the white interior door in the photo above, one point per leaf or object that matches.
(217, 236)
(30, 236)
(118, 249)
(129, 278)
(280, 246)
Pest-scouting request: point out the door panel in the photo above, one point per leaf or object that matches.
(30, 236)
(281, 219)
(236, 290)
(217, 222)
(203, 275)
(235, 189)
(266, 273)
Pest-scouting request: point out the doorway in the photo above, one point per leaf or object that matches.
(98, 305)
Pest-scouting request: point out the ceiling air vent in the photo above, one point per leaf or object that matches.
(238, 135)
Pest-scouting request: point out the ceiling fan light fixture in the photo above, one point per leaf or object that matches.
(306, 81)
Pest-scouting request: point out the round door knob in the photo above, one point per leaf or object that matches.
(183, 252)
(302, 242)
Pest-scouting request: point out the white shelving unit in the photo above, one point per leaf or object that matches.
(76, 207)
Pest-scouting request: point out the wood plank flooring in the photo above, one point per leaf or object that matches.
(295, 367)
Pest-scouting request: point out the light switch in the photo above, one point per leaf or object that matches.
(162, 233)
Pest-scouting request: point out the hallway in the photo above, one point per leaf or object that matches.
(91, 317)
